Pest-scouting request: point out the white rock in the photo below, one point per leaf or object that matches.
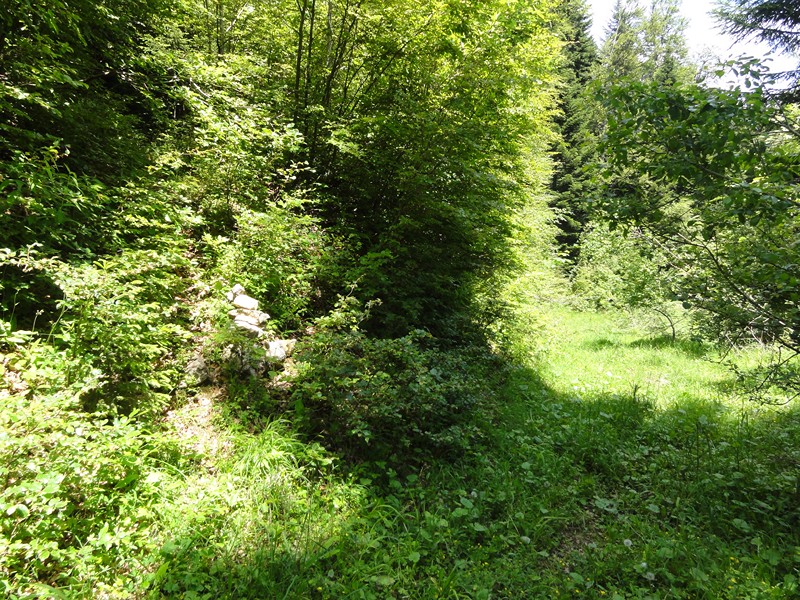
(280, 349)
(245, 302)
(245, 318)
(258, 316)
(237, 290)
(249, 327)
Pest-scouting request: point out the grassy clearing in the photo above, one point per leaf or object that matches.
(614, 465)
(604, 354)
(678, 488)
(620, 467)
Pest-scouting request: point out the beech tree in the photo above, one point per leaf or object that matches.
(712, 175)
(406, 127)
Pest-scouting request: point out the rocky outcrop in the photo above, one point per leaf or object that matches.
(280, 349)
(197, 372)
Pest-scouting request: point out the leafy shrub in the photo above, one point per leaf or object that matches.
(74, 492)
(121, 320)
(730, 229)
(627, 270)
(51, 206)
(615, 269)
(276, 255)
(399, 397)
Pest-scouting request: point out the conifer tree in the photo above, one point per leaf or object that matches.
(665, 50)
(776, 22)
(645, 45)
(574, 149)
(623, 47)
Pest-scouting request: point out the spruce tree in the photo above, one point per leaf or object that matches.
(775, 22)
(623, 48)
(574, 149)
(665, 49)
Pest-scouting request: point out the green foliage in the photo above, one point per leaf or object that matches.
(665, 46)
(50, 206)
(100, 278)
(641, 45)
(74, 494)
(624, 271)
(403, 398)
(575, 148)
(300, 148)
(710, 174)
(425, 166)
(622, 50)
(121, 321)
(280, 256)
(776, 22)
(72, 74)
(645, 45)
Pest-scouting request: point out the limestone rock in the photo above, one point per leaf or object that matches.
(280, 349)
(248, 327)
(249, 319)
(197, 372)
(237, 290)
(246, 315)
(245, 302)
(246, 319)
(256, 317)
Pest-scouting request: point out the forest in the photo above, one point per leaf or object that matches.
(409, 299)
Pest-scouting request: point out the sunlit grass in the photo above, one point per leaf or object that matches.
(607, 353)
(616, 464)
(675, 483)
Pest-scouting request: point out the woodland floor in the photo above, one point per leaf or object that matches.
(618, 464)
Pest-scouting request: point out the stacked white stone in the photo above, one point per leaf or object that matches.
(247, 317)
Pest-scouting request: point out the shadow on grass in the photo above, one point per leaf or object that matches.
(691, 348)
(595, 487)
(688, 347)
(697, 500)
(603, 344)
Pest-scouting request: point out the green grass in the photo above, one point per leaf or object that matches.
(615, 464)
(593, 354)
(621, 466)
(679, 488)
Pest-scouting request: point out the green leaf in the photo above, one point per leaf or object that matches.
(20, 509)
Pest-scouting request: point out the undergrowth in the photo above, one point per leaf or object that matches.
(578, 454)
(614, 464)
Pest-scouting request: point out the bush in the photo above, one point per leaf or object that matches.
(401, 398)
(74, 492)
(120, 323)
(277, 256)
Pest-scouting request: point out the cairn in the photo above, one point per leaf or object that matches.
(245, 313)
(247, 317)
